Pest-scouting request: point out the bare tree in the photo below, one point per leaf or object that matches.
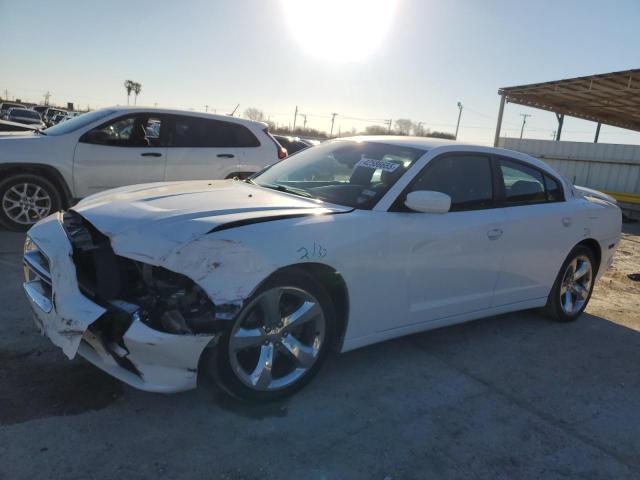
(137, 88)
(253, 113)
(436, 134)
(128, 85)
(375, 130)
(403, 125)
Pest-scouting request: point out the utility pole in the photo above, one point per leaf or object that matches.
(333, 119)
(459, 115)
(304, 125)
(6, 94)
(206, 108)
(524, 122)
(389, 126)
(419, 129)
(46, 98)
(295, 117)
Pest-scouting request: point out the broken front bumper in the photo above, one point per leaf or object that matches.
(147, 359)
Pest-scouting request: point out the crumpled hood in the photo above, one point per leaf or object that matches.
(152, 219)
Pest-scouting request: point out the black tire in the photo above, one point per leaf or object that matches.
(18, 181)
(554, 309)
(218, 364)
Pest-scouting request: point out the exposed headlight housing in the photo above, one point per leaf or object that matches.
(29, 246)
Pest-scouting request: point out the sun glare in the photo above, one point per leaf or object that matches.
(340, 30)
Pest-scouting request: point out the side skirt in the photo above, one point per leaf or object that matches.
(353, 343)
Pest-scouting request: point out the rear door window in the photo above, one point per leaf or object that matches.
(527, 185)
(205, 133)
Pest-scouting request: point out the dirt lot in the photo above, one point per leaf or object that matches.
(616, 297)
(514, 396)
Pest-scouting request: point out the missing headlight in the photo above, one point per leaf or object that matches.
(162, 299)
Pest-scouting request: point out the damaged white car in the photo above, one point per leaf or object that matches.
(346, 244)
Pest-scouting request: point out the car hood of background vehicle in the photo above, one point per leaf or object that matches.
(164, 215)
(30, 138)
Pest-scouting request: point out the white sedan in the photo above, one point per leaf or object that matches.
(346, 244)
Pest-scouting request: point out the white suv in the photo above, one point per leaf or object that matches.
(113, 147)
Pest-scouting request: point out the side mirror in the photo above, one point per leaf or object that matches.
(99, 137)
(427, 201)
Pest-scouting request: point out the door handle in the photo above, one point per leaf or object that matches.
(494, 234)
(151, 154)
(225, 155)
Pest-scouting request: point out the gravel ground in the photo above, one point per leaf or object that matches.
(514, 396)
(617, 297)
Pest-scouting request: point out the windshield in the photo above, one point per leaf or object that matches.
(351, 173)
(78, 122)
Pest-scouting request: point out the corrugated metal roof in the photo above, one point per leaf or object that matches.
(609, 98)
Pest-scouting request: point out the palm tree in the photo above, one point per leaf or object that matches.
(137, 88)
(128, 85)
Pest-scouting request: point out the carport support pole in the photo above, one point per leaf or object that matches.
(560, 117)
(595, 139)
(499, 124)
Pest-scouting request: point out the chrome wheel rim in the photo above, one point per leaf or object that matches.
(576, 285)
(26, 203)
(277, 338)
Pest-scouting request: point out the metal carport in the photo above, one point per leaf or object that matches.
(609, 98)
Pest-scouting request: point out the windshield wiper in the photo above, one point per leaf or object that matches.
(282, 188)
(41, 132)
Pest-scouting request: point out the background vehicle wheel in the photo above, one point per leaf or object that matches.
(26, 199)
(279, 340)
(573, 286)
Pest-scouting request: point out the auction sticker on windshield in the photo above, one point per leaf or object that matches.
(381, 164)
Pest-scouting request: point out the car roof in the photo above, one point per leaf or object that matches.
(428, 143)
(190, 113)
(425, 143)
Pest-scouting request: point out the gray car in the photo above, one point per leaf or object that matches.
(6, 106)
(28, 117)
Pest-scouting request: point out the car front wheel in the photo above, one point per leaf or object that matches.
(25, 200)
(279, 340)
(573, 286)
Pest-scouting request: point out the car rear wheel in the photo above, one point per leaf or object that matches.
(278, 341)
(573, 286)
(25, 200)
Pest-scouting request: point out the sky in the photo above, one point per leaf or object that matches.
(366, 60)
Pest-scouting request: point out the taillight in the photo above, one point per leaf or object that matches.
(282, 152)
